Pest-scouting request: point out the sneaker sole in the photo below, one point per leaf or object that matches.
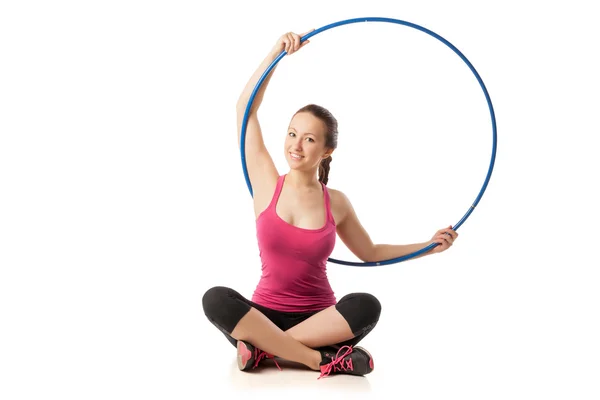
(243, 355)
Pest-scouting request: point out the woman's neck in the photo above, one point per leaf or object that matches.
(302, 179)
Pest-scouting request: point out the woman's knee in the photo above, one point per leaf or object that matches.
(224, 307)
(213, 300)
(361, 310)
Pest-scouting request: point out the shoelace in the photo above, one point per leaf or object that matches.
(260, 355)
(338, 363)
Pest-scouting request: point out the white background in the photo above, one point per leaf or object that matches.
(122, 197)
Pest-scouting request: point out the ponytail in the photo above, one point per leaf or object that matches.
(324, 170)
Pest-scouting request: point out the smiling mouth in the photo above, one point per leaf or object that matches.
(296, 156)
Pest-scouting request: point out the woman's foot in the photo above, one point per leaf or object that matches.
(248, 356)
(345, 360)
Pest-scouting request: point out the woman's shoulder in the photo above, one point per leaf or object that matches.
(340, 205)
(338, 198)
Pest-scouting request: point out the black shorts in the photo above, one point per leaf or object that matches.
(224, 308)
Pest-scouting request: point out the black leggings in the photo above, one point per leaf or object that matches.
(225, 307)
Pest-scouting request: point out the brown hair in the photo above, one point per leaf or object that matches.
(331, 135)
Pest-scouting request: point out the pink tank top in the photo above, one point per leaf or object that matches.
(294, 261)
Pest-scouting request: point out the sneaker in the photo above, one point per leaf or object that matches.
(346, 360)
(248, 356)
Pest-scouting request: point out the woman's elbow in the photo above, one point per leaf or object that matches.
(368, 255)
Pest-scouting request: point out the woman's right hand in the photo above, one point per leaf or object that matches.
(290, 42)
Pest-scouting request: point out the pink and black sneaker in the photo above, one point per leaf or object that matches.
(346, 360)
(248, 356)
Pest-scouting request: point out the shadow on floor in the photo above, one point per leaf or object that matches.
(294, 374)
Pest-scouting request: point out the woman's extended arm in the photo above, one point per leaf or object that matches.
(290, 42)
(356, 238)
(242, 102)
(261, 169)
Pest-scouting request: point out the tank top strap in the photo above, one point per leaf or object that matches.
(277, 192)
(327, 204)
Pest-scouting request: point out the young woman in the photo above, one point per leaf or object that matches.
(293, 313)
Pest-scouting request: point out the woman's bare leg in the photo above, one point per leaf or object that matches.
(325, 328)
(258, 330)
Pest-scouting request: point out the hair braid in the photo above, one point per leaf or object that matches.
(324, 170)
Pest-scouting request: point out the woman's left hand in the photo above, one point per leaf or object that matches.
(445, 237)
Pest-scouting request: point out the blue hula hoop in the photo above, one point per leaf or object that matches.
(420, 28)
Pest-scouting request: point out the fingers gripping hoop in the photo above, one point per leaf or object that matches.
(420, 28)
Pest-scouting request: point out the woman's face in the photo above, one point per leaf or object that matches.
(305, 142)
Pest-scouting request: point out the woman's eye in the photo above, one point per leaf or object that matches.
(310, 139)
(291, 133)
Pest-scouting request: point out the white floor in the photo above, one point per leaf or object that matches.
(294, 380)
